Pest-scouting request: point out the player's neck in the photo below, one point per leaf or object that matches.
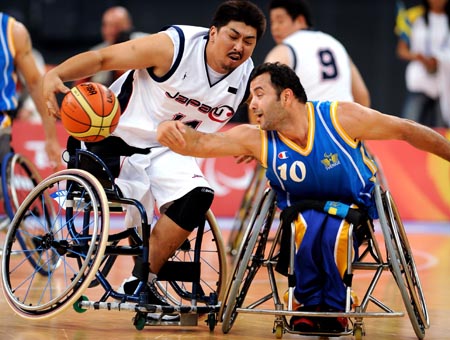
(298, 126)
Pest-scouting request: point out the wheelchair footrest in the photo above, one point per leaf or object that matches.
(188, 319)
(147, 308)
(321, 314)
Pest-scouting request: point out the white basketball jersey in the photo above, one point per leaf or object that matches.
(184, 93)
(322, 64)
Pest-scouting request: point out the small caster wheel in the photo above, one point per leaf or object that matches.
(76, 305)
(213, 298)
(211, 321)
(139, 321)
(358, 333)
(279, 331)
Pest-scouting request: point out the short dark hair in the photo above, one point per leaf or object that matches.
(243, 11)
(294, 8)
(282, 77)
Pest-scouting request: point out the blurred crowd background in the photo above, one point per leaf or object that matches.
(61, 28)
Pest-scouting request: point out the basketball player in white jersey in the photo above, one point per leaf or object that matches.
(192, 74)
(16, 57)
(322, 63)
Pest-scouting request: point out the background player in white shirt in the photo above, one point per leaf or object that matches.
(195, 75)
(322, 63)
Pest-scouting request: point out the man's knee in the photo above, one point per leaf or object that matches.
(189, 211)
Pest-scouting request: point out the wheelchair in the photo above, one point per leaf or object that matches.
(257, 251)
(252, 194)
(19, 176)
(67, 218)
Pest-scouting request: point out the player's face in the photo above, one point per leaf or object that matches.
(230, 46)
(109, 31)
(265, 103)
(282, 25)
(112, 25)
(437, 5)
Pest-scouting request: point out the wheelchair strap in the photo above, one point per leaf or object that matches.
(108, 147)
(115, 146)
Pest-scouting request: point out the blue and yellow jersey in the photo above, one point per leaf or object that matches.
(8, 78)
(331, 166)
(405, 19)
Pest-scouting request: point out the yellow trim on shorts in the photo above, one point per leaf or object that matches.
(340, 250)
(300, 230)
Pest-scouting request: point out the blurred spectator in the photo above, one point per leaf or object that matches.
(117, 27)
(423, 39)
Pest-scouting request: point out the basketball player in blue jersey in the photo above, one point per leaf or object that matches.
(311, 150)
(16, 57)
(194, 75)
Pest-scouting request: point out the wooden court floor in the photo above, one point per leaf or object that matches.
(431, 248)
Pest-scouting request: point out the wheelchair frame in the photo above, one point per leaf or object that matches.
(66, 217)
(255, 253)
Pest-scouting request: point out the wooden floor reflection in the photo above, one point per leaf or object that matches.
(431, 250)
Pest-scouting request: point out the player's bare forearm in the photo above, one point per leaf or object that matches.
(186, 141)
(427, 139)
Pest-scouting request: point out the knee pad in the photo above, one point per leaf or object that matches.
(189, 211)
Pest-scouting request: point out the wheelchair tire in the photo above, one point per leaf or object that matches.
(249, 259)
(19, 178)
(252, 195)
(69, 246)
(402, 262)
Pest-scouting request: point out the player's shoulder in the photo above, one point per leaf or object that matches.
(312, 36)
(188, 31)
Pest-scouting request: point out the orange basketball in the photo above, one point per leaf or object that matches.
(90, 112)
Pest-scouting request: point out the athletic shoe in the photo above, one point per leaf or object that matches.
(154, 297)
(333, 325)
(129, 286)
(305, 323)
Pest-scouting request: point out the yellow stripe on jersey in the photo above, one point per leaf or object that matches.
(369, 162)
(12, 43)
(264, 148)
(338, 126)
(311, 128)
